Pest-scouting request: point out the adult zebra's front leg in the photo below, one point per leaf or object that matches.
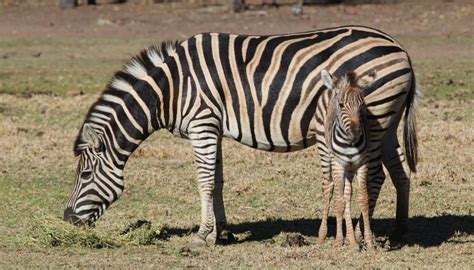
(224, 236)
(205, 137)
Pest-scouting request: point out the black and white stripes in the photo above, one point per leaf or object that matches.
(347, 140)
(263, 91)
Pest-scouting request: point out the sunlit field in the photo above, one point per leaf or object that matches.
(268, 197)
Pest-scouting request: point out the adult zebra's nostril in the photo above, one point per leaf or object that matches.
(70, 217)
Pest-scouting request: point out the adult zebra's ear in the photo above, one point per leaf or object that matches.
(89, 136)
(327, 79)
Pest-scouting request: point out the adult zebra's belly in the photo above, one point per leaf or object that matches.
(278, 141)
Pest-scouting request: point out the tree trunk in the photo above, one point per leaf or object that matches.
(237, 5)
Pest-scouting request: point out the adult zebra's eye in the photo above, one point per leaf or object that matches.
(100, 148)
(86, 175)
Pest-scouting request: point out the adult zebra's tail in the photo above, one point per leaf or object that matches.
(410, 139)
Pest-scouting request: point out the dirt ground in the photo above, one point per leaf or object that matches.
(54, 63)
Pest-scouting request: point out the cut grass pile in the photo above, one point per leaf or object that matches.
(51, 231)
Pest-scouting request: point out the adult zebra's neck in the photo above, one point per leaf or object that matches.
(127, 111)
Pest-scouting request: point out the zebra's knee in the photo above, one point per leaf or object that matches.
(400, 179)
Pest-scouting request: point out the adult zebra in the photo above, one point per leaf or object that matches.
(263, 91)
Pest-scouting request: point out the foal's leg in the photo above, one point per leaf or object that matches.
(347, 211)
(338, 177)
(364, 204)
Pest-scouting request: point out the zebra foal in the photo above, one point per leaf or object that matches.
(347, 140)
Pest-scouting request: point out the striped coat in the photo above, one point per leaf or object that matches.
(263, 91)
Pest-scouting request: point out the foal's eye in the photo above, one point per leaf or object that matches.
(86, 175)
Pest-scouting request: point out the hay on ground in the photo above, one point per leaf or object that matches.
(51, 231)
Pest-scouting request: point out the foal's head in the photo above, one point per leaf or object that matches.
(348, 99)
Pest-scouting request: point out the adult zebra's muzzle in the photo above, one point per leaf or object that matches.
(72, 218)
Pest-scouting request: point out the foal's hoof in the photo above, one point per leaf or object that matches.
(321, 240)
(355, 248)
(370, 248)
(358, 236)
(338, 243)
(369, 245)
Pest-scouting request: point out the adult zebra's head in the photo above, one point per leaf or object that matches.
(99, 182)
(348, 99)
(124, 116)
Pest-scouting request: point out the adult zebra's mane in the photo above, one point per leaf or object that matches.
(135, 69)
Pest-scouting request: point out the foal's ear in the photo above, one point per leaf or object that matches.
(367, 80)
(89, 136)
(327, 79)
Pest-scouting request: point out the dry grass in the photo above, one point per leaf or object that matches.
(50, 231)
(267, 196)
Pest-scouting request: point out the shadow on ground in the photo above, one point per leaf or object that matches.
(423, 231)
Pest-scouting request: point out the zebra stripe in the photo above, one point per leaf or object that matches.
(263, 91)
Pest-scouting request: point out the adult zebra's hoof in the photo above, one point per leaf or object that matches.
(399, 233)
(211, 239)
(197, 242)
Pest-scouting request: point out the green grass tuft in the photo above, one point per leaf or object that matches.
(51, 231)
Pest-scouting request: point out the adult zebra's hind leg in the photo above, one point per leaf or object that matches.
(205, 138)
(375, 180)
(392, 157)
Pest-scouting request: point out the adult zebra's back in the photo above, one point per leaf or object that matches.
(263, 91)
